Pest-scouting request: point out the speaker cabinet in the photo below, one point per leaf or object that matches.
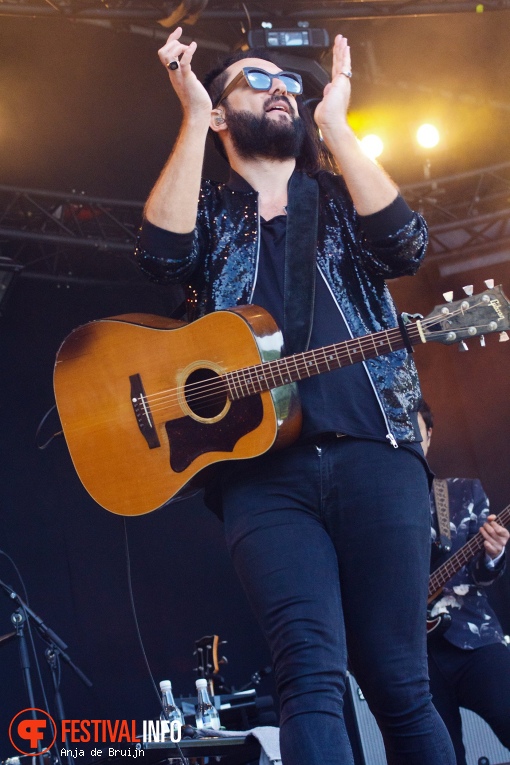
(482, 746)
(366, 739)
(481, 742)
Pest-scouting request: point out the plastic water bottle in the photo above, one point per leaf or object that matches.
(170, 712)
(206, 714)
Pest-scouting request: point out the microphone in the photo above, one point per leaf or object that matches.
(46, 631)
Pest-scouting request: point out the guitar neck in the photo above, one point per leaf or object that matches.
(289, 369)
(468, 551)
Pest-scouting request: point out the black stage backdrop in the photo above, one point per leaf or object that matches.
(71, 553)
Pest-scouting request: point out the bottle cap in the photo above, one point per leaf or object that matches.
(201, 682)
(165, 685)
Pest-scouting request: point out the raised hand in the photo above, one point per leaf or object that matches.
(173, 201)
(190, 91)
(332, 110)
(370, 188)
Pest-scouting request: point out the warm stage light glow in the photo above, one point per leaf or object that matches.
(372, 146)
(427, 136)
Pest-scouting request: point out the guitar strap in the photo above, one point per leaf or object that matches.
(300, 262)
(442, 501)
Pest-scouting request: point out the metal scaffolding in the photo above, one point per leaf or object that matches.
(79, 236)
(147, 12)
(468, 215)
(70, 236)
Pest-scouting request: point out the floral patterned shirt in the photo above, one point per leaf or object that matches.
(474, 622)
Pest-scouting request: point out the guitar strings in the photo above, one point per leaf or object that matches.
(278, 368)
(441, 575)
(220, 385)
(219, 382)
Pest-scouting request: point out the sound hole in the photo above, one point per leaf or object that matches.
(205, 393)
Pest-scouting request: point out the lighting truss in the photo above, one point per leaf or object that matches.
(78, 236)
(73, 219)
(71, 235)
(468, 213)
(143, 11)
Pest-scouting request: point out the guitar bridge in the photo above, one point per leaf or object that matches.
(142, 412)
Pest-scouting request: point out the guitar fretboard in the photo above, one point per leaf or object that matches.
(288, 369)
(468, 551)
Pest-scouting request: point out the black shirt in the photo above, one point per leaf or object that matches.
(343, 400)
(339, 401)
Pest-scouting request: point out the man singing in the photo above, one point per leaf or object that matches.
(329, 536)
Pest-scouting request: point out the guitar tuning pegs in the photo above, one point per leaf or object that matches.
(468, 289)
(463, 346)
(448, 296)
(503, 337)
(482, 341)
(489, 283)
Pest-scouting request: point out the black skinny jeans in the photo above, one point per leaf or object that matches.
(332, 546)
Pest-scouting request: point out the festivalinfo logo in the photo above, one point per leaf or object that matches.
(33, 731)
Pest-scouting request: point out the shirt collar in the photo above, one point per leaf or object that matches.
(236, 182)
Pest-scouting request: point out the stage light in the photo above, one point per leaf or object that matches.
(301, 37)
(427, 136)
(372, 146)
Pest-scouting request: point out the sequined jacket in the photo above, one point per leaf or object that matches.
(474, 623)
(220, 271)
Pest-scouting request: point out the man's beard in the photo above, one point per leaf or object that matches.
(264, 136)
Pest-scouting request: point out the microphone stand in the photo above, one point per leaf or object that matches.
(256, 678)
(18, 619)
(55, 651)
(52, 657)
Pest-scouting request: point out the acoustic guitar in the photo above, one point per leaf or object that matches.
(148, 404)
(450, 567)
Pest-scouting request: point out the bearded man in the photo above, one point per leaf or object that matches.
(330, 535)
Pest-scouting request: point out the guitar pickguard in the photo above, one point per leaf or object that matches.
(190, 438)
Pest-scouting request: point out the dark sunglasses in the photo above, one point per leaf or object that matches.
(258, 79)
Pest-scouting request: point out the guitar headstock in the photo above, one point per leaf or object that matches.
(474, 315)
(208, 661)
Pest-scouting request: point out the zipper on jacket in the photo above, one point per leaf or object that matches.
(257, 254)
(391, 438)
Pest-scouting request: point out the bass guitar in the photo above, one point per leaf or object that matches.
(149, 403)
(450, 567)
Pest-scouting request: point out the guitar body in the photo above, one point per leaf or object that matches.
(148, 405)
(438, 625)
(137, 434)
